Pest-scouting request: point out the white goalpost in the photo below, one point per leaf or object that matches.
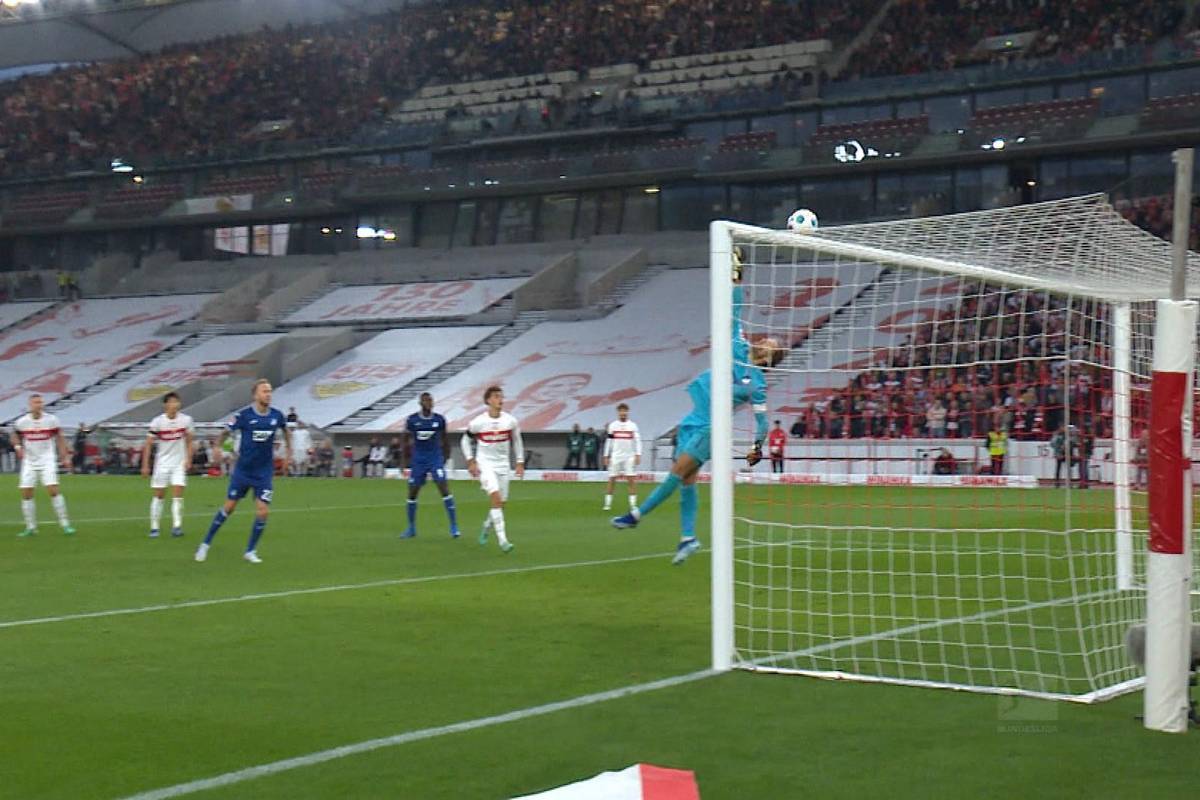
(962, 502)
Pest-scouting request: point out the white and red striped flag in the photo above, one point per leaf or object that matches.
(639, 782)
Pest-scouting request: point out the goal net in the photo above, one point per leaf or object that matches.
(960, 499)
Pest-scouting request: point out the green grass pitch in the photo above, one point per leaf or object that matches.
(417, 634)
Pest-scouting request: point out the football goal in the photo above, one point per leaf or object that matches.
(961, 501)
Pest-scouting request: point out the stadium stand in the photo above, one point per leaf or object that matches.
(1054, 119)
(985, 355)
(1156, 214)
(729, 71)
(1174, 111)
(885, 135)
(919, 36)
(256, 184)
(82, 343)
(374, 369)
(665, 154)
(209, 359)
(560, 373)
(485, 97)
(321, 83)
(46, 208)
(139, 201)
(411, 301)
(13, 313)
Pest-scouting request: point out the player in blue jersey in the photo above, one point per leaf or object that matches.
(694, 441)
(258, 424)
(430, 451)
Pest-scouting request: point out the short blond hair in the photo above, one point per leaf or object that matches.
(258, 383)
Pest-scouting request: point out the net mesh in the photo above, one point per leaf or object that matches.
(957, 500)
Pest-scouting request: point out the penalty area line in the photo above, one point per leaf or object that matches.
(322, 756)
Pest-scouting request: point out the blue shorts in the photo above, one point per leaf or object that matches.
(421, 470)
(694, 440)
(239, 485)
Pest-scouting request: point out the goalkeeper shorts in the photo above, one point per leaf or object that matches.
(695, 441)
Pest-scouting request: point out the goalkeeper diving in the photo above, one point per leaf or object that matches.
(694, 441)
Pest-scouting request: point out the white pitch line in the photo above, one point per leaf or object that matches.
(250, 773)
(217, 601)
(322, 756)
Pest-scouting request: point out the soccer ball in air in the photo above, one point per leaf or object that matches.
(802, 221)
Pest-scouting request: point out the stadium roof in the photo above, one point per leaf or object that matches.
(71, 31)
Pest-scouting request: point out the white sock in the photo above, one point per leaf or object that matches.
(607, 500)
(177, 512)
(60, 508)
(155, 512)
(497, 517)
(29, 512)
(633, 501)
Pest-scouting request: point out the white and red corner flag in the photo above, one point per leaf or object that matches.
(639, 782)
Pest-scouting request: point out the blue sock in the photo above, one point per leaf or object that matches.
(412, 514)
(660, 493)
(217, 522)
(256, 533)
(451, 511)
(689, 505)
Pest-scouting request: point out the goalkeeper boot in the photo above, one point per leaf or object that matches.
(685, 549)
(409, 533)
(629, 520)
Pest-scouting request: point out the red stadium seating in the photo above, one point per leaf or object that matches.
(1172, 112)
(255, 184)
(43, 209)
(903, 129)
(140, 201)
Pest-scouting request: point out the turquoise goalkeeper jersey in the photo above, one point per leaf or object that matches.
(749, 383)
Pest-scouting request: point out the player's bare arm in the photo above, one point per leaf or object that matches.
(64, 452)
(146, 454)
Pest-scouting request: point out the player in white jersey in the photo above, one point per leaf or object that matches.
(491, 440)
(172, 433)
(622, 454)
(42, 446)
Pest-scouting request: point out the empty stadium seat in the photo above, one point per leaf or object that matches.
(139, 201)
(1175, 111)
(254, 184)
(43, 209)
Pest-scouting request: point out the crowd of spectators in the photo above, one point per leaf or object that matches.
(931, 35)
(1156, 215)
(999, 359)
(321, 83)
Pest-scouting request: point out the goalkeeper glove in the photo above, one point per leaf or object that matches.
(755, 455)
(737, 265)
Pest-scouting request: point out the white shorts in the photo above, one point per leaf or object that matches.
(621, 467)
(492, 480)
(33, 473)
(168, 475)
